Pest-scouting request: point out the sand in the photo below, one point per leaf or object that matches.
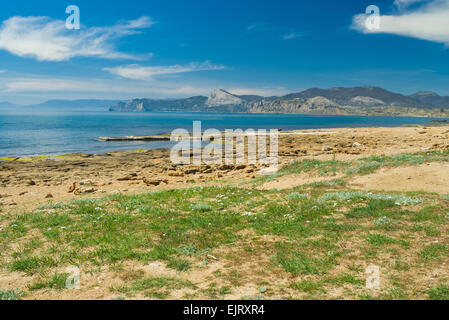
(429, 177)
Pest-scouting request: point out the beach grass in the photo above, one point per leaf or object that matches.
(10, 294)
(308, 242)
(362, 166)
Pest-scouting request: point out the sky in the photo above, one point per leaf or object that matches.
(170, 49)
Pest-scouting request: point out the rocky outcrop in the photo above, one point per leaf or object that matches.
(220, 97)
(316, 105)
(366, 101)
(334, 101)
(161, 105)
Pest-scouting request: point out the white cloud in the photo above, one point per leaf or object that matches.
(291, 35)
(45, 39)
(402, 4)
(31, 89)
(2, 71)
(137, 72)
(96, 87)
(429, 22)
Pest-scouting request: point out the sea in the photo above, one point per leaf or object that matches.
(31, 133)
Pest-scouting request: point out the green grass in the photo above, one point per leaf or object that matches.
(434, 252)
(439, 293)
(154, 287)
(375, 208)
(300, 263)
(360, 167)
(215, 292)
(381, 239)
(10, 294)
(179, 264)
(56, 281)
(32, 265)
(308, 286)
(323, 167)
(319, 237)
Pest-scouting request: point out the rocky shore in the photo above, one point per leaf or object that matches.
(25, 182)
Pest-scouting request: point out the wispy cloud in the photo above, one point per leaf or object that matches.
(259, 26)
(277, 31)
(27, 90)
(30, 89)
(430, 21)
(291, 35)
(45, 39)
(148, 73)
(2, 71)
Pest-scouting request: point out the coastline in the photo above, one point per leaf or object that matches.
(126, 171)
(162, 137)
(73, 133)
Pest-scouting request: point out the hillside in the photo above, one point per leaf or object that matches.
(431, 98)
(62, 105)
(334, 101)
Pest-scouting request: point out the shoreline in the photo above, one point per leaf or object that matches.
(27, 181)
(386, 115)
(82, 153)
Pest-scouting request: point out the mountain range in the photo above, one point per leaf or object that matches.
(345, 101)
(334, 101)
(62, 105)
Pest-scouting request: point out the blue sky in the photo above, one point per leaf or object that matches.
(160, 49)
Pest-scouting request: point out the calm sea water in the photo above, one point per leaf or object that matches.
(25, 134)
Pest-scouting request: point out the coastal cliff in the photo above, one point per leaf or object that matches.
(335, 101)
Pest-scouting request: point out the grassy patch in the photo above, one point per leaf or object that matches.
(10, 294)
(32, 265)
(381, 239)
(310, 232)
(56, 281)
(330, 167)
(308, 286)
(439, 293)
(155, 287)
(434, 252)
(296, 262)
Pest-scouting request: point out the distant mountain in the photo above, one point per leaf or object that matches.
(160, 105)
(7, 105)
(357, 101)
(219, 101)
(431, 98)
(73, 105)
(360, 96)
(63, 105)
